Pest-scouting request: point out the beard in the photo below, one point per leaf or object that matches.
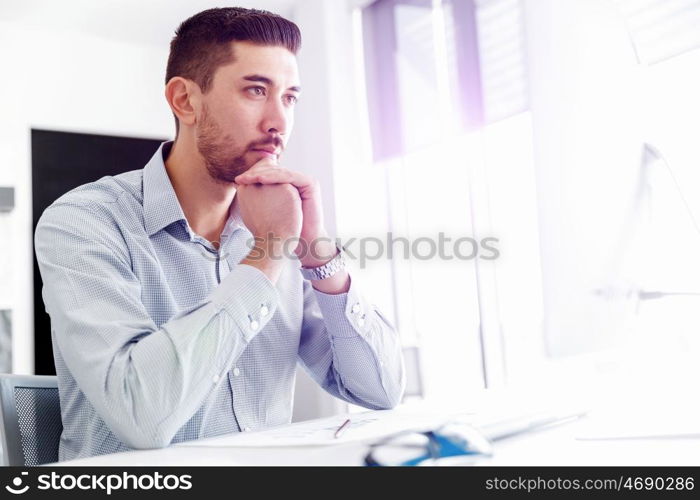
(224, 163)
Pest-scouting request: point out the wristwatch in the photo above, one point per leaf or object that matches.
(327, 270)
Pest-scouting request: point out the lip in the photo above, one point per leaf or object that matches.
(269, 153)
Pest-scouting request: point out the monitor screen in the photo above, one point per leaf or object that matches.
(62, 161)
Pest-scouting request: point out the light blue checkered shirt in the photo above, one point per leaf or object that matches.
(158, 338)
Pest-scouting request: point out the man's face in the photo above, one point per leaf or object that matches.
(248, 112)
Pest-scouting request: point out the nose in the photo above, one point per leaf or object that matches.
(277, 119)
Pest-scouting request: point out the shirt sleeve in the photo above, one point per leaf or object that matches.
(144, 381)
(350, 349)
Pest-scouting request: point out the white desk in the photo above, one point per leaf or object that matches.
(549, 447)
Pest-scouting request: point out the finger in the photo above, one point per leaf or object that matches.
(252, 175)
(262, 165)
(264, 172)
(267, 161)
(275, 176)
(260, 169)
(307, 186)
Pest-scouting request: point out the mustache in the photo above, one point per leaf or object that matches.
(274, 141)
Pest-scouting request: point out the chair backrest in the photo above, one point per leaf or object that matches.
(31, 419)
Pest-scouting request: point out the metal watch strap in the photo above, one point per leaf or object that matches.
(336, 264)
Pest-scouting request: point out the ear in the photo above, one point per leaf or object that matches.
(182, 96)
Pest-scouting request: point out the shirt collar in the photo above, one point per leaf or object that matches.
(235, 221)
(160, 205)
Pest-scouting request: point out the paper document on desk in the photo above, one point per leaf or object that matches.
(366, 425)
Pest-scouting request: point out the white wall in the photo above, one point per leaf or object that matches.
(67, 82)
(331, 142)
(311, 150)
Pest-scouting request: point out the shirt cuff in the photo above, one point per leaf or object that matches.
(249, 297)
(346, 314)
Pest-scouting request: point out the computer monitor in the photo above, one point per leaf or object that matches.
(62, 161)
(619, 181)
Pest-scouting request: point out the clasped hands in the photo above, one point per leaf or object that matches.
(275, 201)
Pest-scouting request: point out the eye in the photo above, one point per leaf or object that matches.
(257, 91)
(291, 99)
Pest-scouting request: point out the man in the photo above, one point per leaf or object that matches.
(176, 313)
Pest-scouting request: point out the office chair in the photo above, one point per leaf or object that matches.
(31, 419)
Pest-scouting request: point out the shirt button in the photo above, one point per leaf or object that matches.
(236, 372)
(356, 308)
(361, 321)
(246, 429)
(264, 311)
(215, 379)
(254, 325)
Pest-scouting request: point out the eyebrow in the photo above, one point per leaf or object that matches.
(268, 81)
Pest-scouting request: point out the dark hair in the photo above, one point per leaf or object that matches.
(202, 43)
